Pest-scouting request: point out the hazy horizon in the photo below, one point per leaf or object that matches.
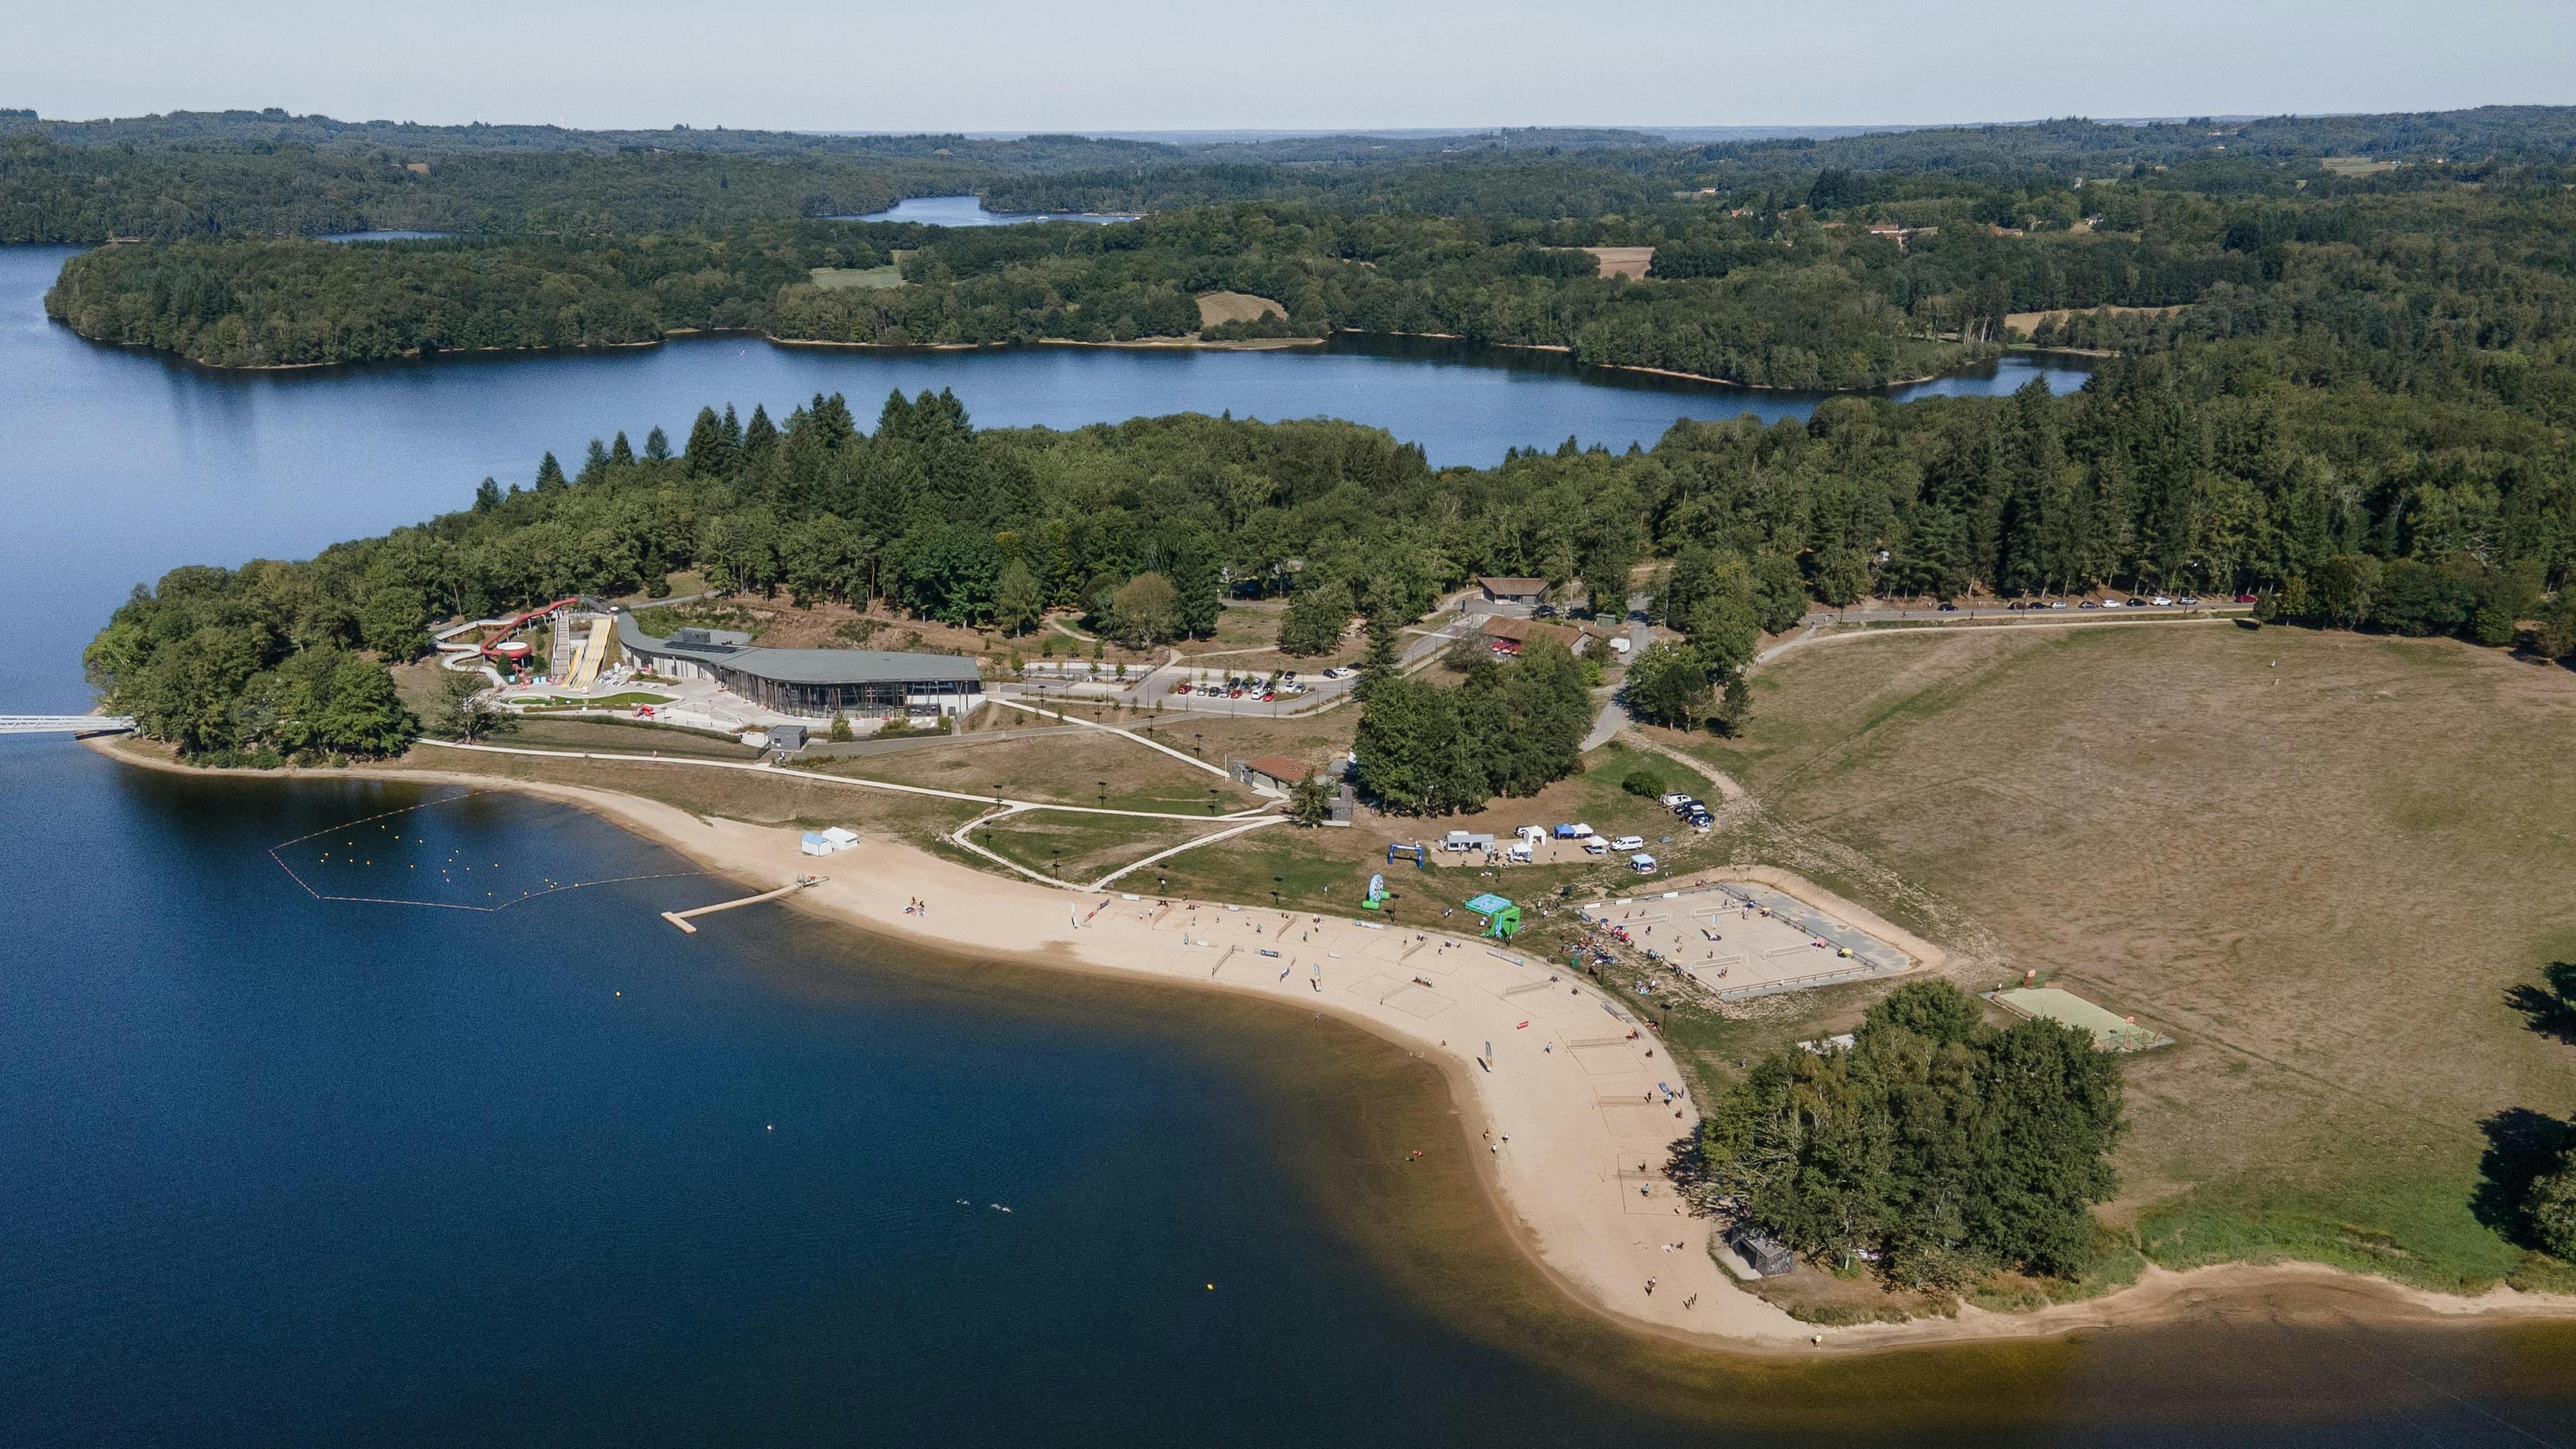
(1141, 66)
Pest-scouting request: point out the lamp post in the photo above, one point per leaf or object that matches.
(1054, 867)
(1104, 794)
(1211, 799)
(1274, 891)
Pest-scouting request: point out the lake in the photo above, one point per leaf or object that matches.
(969, 211)
(116, 466)
(287, 1171)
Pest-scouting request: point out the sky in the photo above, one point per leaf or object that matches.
(1094, 65)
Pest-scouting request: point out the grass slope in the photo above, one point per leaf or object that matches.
(2320, 861)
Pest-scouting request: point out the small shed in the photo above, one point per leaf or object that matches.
(787, 738)
(1513, 591)
(1762, 1252)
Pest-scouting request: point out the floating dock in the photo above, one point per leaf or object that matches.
(681, 919)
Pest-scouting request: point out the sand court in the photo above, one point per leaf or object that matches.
(1607, 1059)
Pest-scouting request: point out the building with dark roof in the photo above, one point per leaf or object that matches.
(815, 683)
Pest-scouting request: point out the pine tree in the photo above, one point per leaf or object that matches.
(759, 434)
(709, 455)
(657, 445)
(1201, 593)
(594, 464)
(550, 473)
(487, 494)
(1382, 662)
(621, 452)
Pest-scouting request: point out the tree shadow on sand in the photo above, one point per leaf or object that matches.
(2549, 1009)
(2521, 1146)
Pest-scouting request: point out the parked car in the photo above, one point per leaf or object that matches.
(1340, 671)
(2111, 604)
(2190, 601)
(2245, 598)
(2162, 602)
(1703, 821)
(1595, 846)
(1676, 802)
(1948, 608)
(2057, 603)
(1629, 842)
(1642, 864)
(2090, 604)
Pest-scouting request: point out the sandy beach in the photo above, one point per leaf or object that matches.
(1568, 1117)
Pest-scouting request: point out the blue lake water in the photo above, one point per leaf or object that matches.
(969, 211)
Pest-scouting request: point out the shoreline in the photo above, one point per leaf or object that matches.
(1183, 344)
(1559, 1185)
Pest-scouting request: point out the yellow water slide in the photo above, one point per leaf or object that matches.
(594, 652)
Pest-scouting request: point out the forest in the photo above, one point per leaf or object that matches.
(2441, 507)
(2346, 394)
(1936, 1147)
(1846, 280)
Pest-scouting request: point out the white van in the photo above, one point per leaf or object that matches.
(1629, 842)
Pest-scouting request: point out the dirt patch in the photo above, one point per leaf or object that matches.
(1623, 261)
(1221, 307)
(2029, 321)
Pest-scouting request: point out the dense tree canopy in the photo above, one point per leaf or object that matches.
(1940, 1146)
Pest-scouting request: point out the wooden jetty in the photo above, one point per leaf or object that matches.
(681, 918)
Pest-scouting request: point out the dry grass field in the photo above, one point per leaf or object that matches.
(2322, 862)
(1216, 307)
(834, 279)
(1623, 261)
(1080, 768)
(2029, 321)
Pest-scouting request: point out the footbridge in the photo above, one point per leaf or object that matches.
(64, 724)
